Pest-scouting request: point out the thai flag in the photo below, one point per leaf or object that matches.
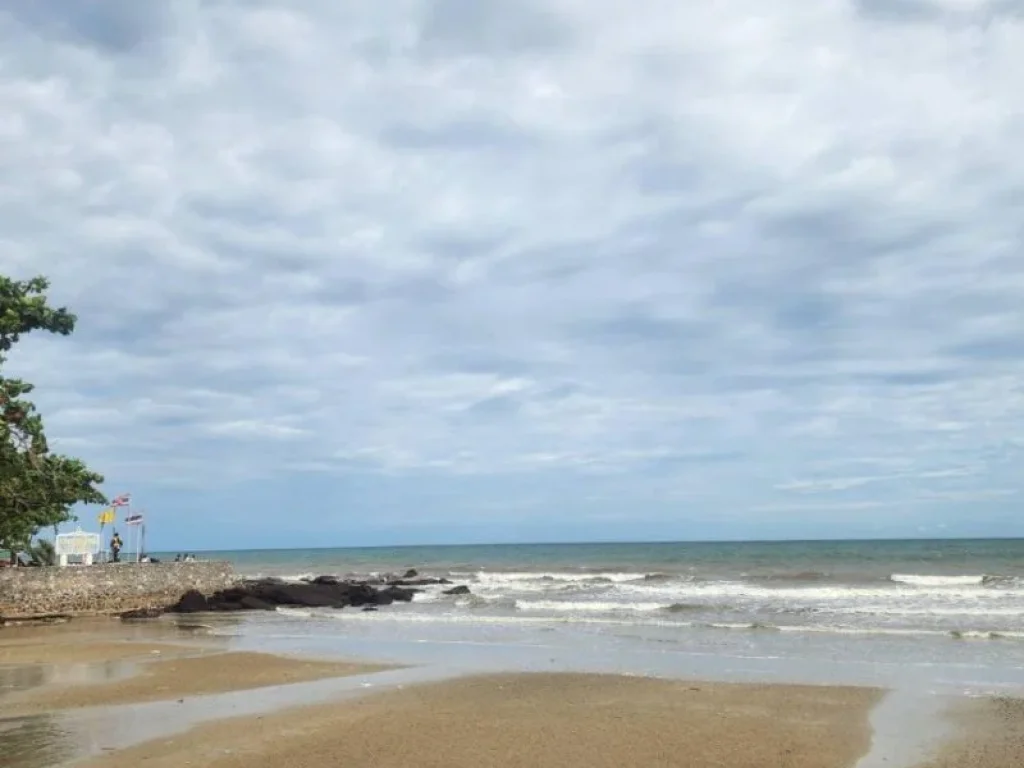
(122, 501)
(133, 520)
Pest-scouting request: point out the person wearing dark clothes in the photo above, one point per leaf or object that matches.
(115, 547)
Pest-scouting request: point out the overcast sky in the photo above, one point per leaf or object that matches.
(409, 271)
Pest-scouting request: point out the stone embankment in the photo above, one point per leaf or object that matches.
(105, 589)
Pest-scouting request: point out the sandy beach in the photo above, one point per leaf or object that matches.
(175, 678)
(532, 720)
(508, 720)
(112, 665)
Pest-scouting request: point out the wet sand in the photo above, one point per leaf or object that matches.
(176, 678)
(102, 662)
(539, 720)
(989, 734)
(512, 721)
(87, 652)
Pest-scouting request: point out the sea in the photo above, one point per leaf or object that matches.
(941, 615)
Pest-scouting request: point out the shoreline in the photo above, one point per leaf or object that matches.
(113, 691)
(985, 733)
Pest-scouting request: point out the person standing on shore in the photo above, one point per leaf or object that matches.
(115, 547)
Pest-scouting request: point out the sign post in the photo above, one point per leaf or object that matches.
(78, 544)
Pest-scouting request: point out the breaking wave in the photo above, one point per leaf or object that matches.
(925, 580)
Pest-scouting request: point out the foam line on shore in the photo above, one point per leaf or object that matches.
(906, 724)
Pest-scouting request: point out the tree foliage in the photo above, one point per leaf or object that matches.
(38, 488)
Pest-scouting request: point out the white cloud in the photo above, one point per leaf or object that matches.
(469, 238)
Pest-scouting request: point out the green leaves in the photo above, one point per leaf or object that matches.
(23, 309)
(37, 488)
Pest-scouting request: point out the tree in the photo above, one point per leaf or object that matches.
(44, 552)
(37, 488)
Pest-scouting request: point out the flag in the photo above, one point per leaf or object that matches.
(133, 520)
(122, 501)
(106, 516)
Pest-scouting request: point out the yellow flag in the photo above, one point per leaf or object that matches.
(106, 516)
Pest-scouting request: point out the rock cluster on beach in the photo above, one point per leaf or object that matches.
(320, 592)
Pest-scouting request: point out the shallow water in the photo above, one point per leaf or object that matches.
(34, 742)
(907, 721)
(17, 678)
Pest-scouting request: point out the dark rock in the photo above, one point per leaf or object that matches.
(141, 613)
(462, 589)
(191, 602)
(306, 595)
(363, 594)
(227, 606)
(412, 573)
(253, 603)
(231, 594)
(321, 592)
(417, 582)
(369, 607)
(400, 594)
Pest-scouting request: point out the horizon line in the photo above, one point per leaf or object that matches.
(609, 543)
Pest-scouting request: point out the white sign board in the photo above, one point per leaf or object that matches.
(77, 544)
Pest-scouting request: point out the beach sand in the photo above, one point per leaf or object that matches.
(176, 678)
(100, 663)
(539, 720)
(87, 652)
(989, 733)
(512, 721)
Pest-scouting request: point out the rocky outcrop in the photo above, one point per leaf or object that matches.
(321, 592)
(404, 582)
(462, 589)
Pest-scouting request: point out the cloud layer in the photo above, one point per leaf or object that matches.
(741, 269)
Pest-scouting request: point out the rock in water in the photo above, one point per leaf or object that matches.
(191, 602)
(253, 603)
(141, 613)
(401, 594)
(462, 589)
(321, 592)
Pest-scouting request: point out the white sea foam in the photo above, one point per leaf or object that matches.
(520, 577)
(302, 613)
(925, 580)
(578, 606)
(961, 606)
(811, 594)
(584, 618)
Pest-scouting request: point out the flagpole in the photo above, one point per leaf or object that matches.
(137, 555)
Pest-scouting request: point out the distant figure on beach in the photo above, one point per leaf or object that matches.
(115, 547)
(177, 558)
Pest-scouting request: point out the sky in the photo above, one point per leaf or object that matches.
(572, 270)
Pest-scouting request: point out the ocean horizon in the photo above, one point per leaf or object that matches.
(616, 542)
